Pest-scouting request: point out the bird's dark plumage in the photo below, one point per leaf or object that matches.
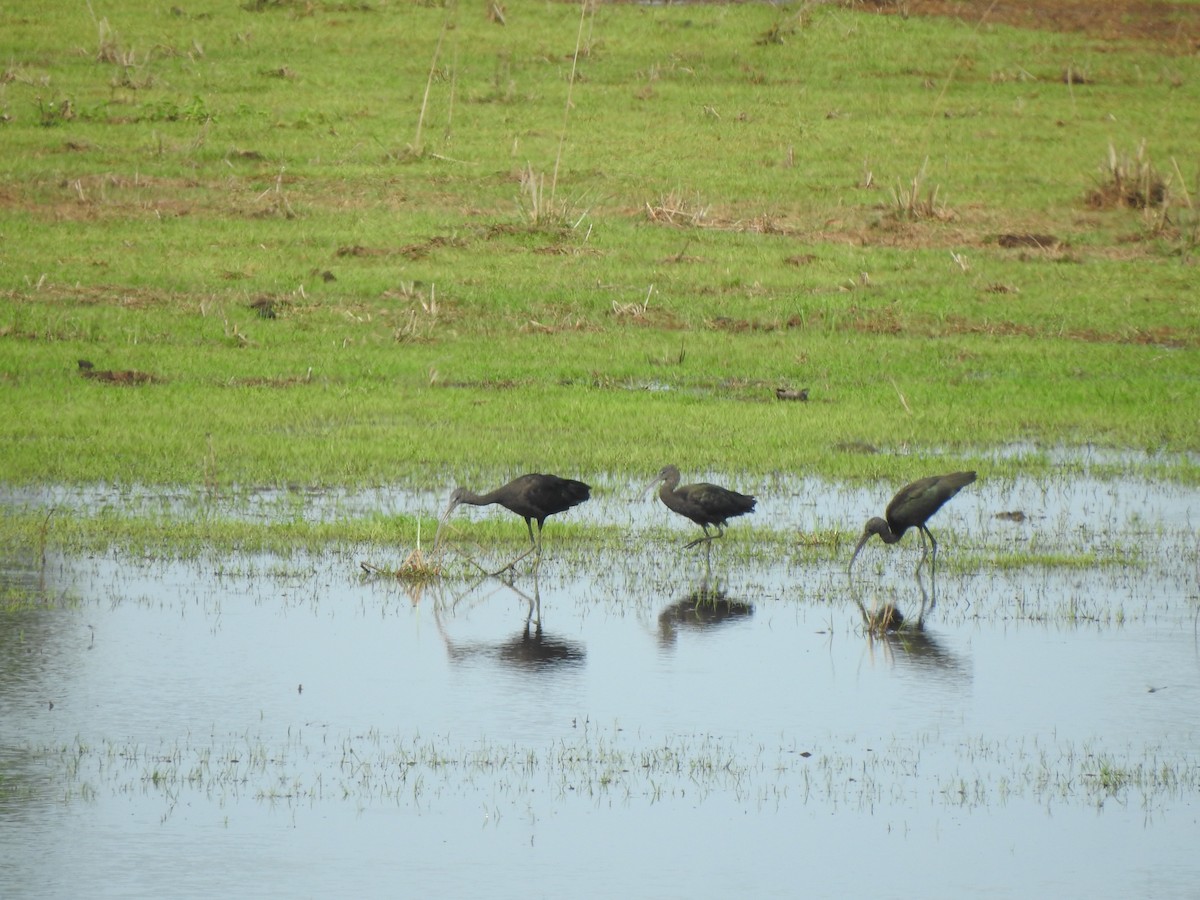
(703, 503)
(913, 506)
(534, 497)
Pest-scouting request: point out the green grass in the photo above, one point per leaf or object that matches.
(434, 317)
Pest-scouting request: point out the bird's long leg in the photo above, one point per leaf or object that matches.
(700, 540)
(535, 546)
(472, 560)
(933, 554)
(932, 569)
(537, 564)
(921, 532)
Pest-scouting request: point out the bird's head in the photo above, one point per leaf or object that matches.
(666, 473)
(874, 525)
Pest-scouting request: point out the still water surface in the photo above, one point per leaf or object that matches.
(265, 727)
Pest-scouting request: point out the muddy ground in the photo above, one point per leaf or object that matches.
(1173, 25)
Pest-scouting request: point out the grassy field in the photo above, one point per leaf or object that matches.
(366, 243)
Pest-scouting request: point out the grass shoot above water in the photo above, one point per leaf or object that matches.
(419, 771)
(397, 242)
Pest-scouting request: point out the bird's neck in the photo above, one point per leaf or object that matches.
(477, 499)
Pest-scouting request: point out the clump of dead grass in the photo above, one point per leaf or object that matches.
(1129, 180)
(918, 202)
(881, 620)
(109, 48)
(633, 310)
(419, 568)
(678, 210)
(418, 323)
(541, 208)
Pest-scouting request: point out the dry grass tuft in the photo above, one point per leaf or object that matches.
(679, 211)
(416, 569)
(541, 209)
(422, 315)
(633, 310)
(108, 46)
(881, 620)
(1072, 75)
(1130, 181)
(776, 34)
(419, 568)
(917, 202)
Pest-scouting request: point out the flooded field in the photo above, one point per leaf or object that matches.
(293, 727)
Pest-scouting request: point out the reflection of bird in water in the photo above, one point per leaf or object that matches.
(921, 650)
(538, 650)
(534, 497)
(906, 639)
(701, 609)
(887, 619)
(703, 503)
(913, 506)
(530, 649)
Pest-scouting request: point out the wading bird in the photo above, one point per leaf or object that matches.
(912, 507)
(533, 497)
(705, 504)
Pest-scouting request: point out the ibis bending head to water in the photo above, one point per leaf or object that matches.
(534, 497)
(703, 503)
(912, 507)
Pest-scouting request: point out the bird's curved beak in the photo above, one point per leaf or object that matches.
(652, 485)
(866, 536)
(437, 540)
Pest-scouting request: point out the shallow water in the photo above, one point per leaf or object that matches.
(292, 727)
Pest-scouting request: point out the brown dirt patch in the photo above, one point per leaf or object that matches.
(117, 376)
(1025, 239)
(1170, 25)
(279, 382)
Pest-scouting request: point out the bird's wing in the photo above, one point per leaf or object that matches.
(713, 497)
(918, 501)
(551, 492)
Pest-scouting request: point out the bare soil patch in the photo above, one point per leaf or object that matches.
(116, 376)
(1172, 25)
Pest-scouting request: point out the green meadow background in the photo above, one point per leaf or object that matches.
(348, 244)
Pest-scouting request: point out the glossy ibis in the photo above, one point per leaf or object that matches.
(703, 503)
(912, 507)
(533, 497)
